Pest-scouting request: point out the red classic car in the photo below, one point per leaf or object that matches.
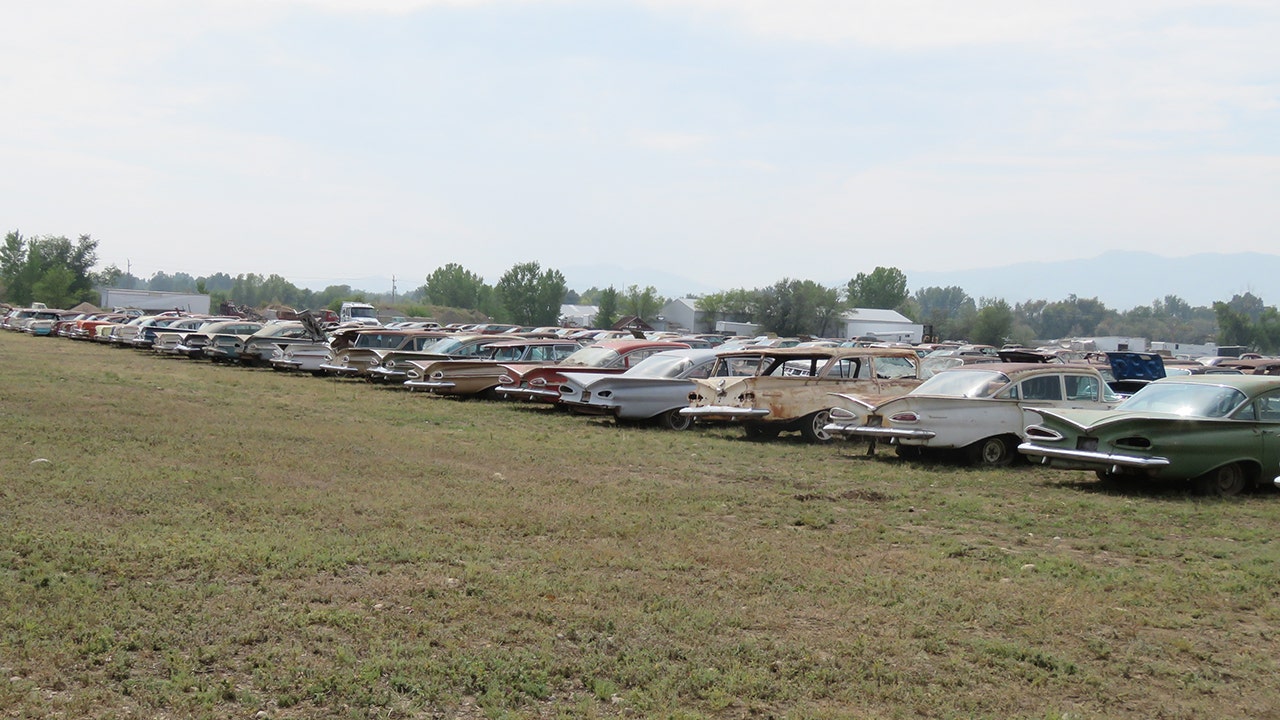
(542, 382)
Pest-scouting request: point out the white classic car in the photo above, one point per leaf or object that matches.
(656, 388)
(982, 409)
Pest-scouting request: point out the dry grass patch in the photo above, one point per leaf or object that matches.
(210, 541)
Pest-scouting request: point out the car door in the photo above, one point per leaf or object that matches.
(1037, 391)
(1265, 411)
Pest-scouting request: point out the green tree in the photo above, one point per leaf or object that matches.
(884, 288)
(25, 263)
(993, 323)
(54, 288)
(1234, 326)
(14, 274)
(643, 303)
(530, 295)
(606, 308)
(1072, 317)
(797, 307)
(454, 286)
(1248, 304)
(949, 310)
(110, 276)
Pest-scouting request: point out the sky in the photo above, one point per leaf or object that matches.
(733, 142)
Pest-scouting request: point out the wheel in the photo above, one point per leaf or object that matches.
(812, 428)
(910, 452)
(1226, 481)
(760, 431)
(990, 452)
(673, 420)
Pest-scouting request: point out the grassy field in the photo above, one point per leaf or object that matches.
(179, 539)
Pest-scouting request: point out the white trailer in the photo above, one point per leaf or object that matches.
(154, 301)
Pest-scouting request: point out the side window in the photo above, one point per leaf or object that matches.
(1046, 387)
(843, 369)
(889, 368)
(862, 369)
(701, 371)
(635, 357)
(1081, 387)
(563, 351)
(1265, 409)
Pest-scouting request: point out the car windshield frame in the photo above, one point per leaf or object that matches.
(964, 383)
(1186, 399)
(592, 356)
(660, 366)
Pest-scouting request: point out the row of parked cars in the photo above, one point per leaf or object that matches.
(1134, 415)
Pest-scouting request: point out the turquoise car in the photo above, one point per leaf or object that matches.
(1220, 431)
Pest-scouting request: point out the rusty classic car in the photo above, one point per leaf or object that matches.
(772, 390)
(542, 383)
(480, 377)
(656, 389)
(368, 346)
(980, 409)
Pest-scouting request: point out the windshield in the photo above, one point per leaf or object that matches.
(445, 346)
(362, 312)
(1186, 399)
(660, 366)
(592, 357)
(506, 354)
(963, 383)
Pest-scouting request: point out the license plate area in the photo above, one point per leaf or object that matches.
(1087, 443)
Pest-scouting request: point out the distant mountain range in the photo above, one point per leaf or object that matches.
(1120, 279)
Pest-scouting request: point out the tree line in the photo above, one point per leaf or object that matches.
(59, 272)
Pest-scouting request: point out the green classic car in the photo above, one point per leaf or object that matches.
(1221, 431)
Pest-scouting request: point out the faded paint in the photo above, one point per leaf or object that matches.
(789, 386)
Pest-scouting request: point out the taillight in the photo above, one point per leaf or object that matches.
(904, 417)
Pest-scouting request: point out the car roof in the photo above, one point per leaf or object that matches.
(1016, 370)
(624, 345)
(529, 341)
(697, 355)
(800, 352)
(1248, 384)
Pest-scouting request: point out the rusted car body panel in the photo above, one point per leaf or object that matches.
(368, 347)
(771, 390)
(409, 367)
(982, 409)
(541, 383)
(460, 377)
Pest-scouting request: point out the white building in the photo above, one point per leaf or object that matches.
(886, 325)
(154, 300)
(578, 315)
(681, 313)
(1109, 343)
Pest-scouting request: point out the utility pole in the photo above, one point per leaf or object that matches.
(393, 289)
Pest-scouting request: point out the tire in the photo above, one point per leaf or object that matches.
(1226, 481)
(908, 452)
(812, 426)
(673, 420)
(760, 431)
(1107, 477)
(991, 452)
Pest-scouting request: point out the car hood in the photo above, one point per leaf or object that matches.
(1136, 366)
